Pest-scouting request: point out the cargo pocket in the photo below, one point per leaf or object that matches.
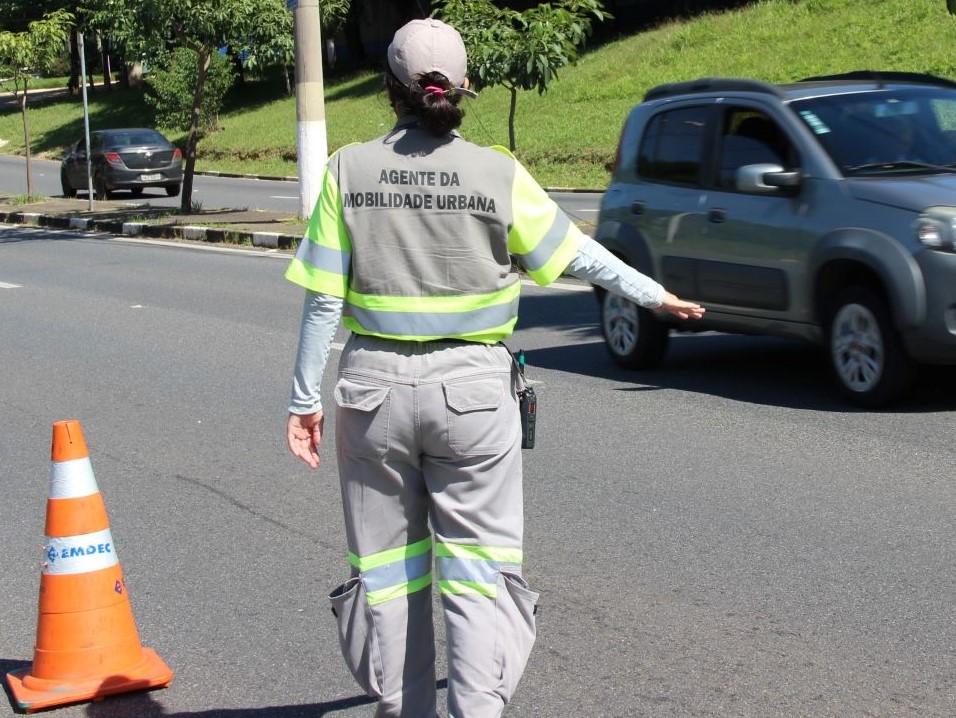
(514, 631)
(361, 427)
(481, 415)
(357, 637)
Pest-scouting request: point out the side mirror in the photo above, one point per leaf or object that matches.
(766, 179)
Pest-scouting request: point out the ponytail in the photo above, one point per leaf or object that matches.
(430, 97)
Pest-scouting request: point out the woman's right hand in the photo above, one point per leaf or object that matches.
(304, 434)
(679, 308)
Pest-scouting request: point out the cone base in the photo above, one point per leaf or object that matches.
(34, 694)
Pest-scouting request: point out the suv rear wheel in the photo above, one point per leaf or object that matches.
(635, 338)
(866, 355)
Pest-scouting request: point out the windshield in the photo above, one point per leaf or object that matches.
(889, 130)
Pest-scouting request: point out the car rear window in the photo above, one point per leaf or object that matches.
(671, 148)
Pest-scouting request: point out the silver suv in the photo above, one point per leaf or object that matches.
(822, 210)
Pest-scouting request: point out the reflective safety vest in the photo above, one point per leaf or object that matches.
(416, 234)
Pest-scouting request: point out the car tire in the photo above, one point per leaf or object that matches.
(136, 191)
(867, 358)
(68, 190)
(634, 337)
(100, 190)
(172, 190)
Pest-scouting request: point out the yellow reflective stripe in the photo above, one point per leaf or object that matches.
(482, 553)
(487, 318)
(365, 563)
(491, 335)
(460, 587)
(404, 589)
(559, 261)
(327, 230)
(440, 304)
(298, 272)
(540, 232)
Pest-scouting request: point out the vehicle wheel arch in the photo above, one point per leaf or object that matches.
(628, 245)
(874, 260)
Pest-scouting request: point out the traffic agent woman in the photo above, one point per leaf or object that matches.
(411, 245)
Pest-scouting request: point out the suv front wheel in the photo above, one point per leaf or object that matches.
(635, 338)
(866, 355)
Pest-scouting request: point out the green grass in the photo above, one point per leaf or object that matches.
(567, 136)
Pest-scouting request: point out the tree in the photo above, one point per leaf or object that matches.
(520, 50)
(171, 90)
(150, 29)
(24, 53)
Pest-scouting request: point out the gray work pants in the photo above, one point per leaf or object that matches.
(428, 439)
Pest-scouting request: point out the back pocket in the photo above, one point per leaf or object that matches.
(361, 424)
(482, 415)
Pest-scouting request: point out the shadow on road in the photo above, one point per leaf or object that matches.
(147, 705)
(753, 369)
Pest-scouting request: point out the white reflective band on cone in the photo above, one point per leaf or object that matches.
(72, 479)
(79, 554)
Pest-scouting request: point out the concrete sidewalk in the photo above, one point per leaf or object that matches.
(272, 230)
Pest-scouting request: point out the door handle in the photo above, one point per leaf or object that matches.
(638, 207)
(716, 215)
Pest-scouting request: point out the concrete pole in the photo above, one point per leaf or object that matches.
(86, 123)
(313, 147)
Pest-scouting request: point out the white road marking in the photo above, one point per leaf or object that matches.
(7, 285)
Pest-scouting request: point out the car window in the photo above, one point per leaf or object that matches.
(671, 148)
(147, 138)
(867, 132)
(749, 137)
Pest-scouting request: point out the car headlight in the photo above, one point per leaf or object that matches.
(938, 234)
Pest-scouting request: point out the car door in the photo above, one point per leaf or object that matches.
(666, 203)
(744, 257)
(75, 165)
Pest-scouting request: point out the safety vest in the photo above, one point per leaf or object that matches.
(416, 234)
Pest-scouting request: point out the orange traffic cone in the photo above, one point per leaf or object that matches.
(87, 645)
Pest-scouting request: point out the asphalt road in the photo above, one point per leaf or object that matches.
(718, 538)
(214, 192)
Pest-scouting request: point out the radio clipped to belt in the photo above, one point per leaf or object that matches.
(527, 403)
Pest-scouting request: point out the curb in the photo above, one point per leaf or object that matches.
(287, 178)
(268, 240)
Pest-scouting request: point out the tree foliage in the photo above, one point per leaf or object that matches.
(520, 50)
(28, 52)
(172, 87)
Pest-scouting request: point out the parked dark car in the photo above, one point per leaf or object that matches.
(822, 210)
(123, 159)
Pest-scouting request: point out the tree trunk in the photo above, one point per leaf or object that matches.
(511, 118)
(26, 139)
(107, 67)
(73, 85)
(204, 59)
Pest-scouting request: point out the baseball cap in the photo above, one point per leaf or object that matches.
(423, 46)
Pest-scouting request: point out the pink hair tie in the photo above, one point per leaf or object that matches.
(434, 90)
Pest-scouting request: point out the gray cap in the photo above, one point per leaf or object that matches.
(423, 46)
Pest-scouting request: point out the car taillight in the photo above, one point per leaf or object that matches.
(177, 155)
(113, 158)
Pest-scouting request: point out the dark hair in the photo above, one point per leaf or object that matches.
(439, 112)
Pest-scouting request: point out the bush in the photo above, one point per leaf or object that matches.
(171, 90)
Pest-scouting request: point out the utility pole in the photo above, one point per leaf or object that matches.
(312, 145)
(86, 122)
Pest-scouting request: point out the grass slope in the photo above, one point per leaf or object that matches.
(568, 135)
